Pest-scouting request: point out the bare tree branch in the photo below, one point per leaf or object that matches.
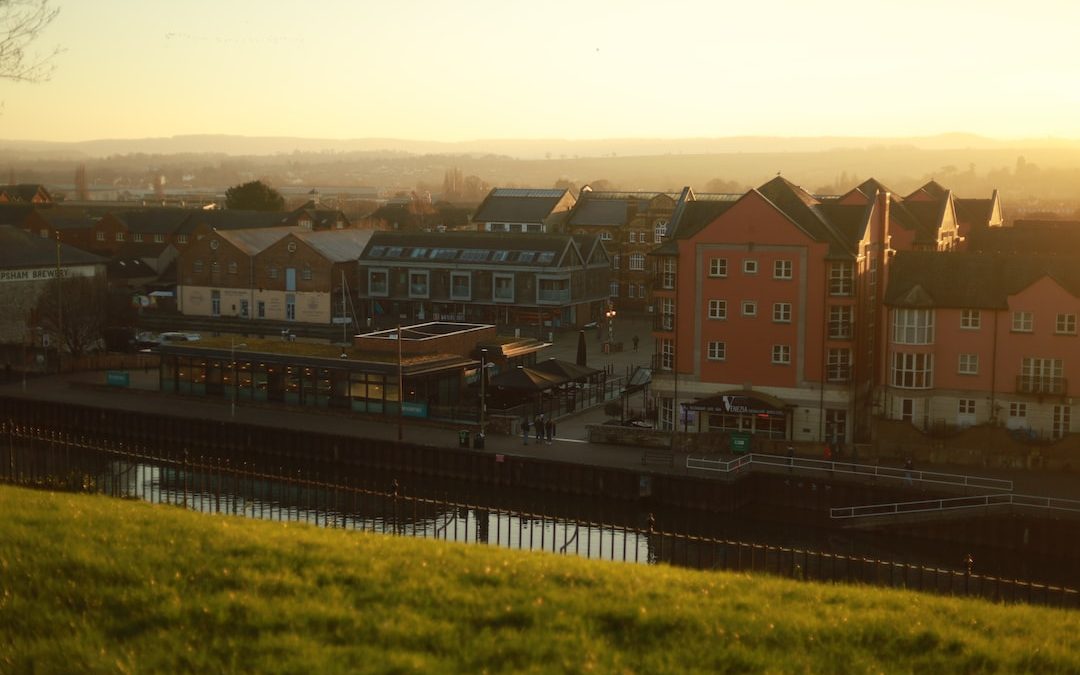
(21, 22)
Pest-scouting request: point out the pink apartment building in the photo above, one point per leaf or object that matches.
(979, 338)
(768, 306)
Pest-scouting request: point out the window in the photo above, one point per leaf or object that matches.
(232, 267)
(306, 273)
(782, 269)
(418, 252)
(749, 308)
(637, 261)
(272, 272)
(718, 267)
(667, 354)
(659, 231)
(668, 274)
(100, 236)
(181, 239)
(969, 364)
(749, 267)
(137, 237)
(781, 354)
(418, 284)
(841, 276)
(215, 268)
(613, 289)
(631, 291)
(1065, 324)
(260, 309)
(605, 236)
(913, 326)
(633, 237)
(835, 424)
(460, 286)
(159, 239)
(1023, 322)
(838, 366)
(717, 309)
(781, 312)
(913, 371)
(840, 323)
(1018, 410)
(667, 314)
(44, 232)
(1062, 421)
(966, 406)
(197, 267)
(1041, 376)
(717, 351)
(119, 236)
(970, 319)
(641, 290)
(615, 260)
(503, 289)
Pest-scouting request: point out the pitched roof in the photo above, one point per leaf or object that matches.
(974, 212)
(337, 245)
(21, 249)
(15, 213)
(599, 212)
(972, 280)
(1049, 238)
(932, 191)
(229, 219)
(254, 240)
(803, 208)
(513, 205)
(473, 248)
(160, 220)
(25, 192)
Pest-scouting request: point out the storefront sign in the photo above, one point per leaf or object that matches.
(414, 409)
(733, 404)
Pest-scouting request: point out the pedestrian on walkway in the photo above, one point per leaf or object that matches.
(790, 457)
(550, 430)
(635, 343)
(540, 427)
(525, 431)
(909, 466)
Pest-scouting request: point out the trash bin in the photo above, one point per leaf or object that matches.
(463, 438)
(478, 440)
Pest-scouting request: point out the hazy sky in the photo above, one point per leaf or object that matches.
(602, 69)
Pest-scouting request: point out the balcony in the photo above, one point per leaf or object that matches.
(1035, 384)
(663, 323)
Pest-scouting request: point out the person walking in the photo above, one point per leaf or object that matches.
(540, 427)
(635, 342)
(525, 431)
(909, 466)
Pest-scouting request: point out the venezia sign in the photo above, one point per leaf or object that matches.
(735, 405)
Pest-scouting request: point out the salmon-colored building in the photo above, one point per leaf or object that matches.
(982, 339)
(769, 306)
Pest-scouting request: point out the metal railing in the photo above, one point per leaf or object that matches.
(957, 504)
(38, 457)
(779, 464)
(1038, 384)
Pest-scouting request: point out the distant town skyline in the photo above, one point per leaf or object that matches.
(487, 70)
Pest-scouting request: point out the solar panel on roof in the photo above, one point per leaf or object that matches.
(474, 254)
(500, 256)
(526, 256)
(444, 254)
(546, 257)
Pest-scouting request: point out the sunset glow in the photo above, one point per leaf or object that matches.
(484, 69)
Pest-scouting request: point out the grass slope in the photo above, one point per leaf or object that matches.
(92, 584)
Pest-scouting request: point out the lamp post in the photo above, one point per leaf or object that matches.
(483, 387)
(610, 315)
(236, 385)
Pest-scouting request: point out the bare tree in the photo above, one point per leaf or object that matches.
(77, 310)
(21, 22)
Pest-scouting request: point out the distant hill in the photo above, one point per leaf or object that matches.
(516, 148)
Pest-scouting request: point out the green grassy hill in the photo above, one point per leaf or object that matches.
(92, 584)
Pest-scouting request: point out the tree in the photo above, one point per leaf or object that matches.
(21, 21)
(254, 196)
(75, 311)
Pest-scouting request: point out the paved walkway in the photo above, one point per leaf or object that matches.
(570, 444)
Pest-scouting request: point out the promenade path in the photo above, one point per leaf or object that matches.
(570, 444)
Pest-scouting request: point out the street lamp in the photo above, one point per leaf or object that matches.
(610, 315)
(236, 385)
(483, 387)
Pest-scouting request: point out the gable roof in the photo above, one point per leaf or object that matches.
(21, 249)
(591, 211)
(972, 280)
(26, 192)
(803, 209)
(228, 219)
(932, 191)
(513, 205)
(974, 212)
(336, 245)
(161, 220)
(254, 240)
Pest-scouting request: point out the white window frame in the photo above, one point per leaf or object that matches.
(781, 312)
(1065, 324)
(749, 308)
(467, 276)
(613, 289)
(912, 370)
(372, 273)
(841, 278)
(495, 279)
(781, 355)
(838, 365)
(669, 268)
(749, 266)
(783, 269)
(970, 319)
(637, 262)
(841, 322)
(1017, 409)
(718, 267)
(968, 364)
(1023, 322)
(965, 406)
(717, 309)
(913, 326)
(414, 276)
(659, 231)
(717, 350)
(667, 354)
(100, 236)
